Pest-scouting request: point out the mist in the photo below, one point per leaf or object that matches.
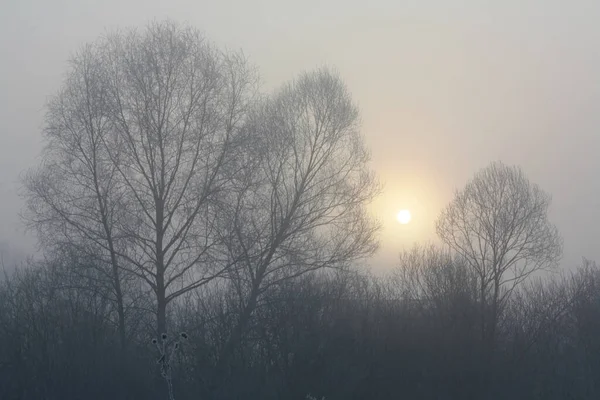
(257, 188)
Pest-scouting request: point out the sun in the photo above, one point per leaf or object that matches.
(403, 217)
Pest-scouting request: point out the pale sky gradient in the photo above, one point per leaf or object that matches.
(445, 87)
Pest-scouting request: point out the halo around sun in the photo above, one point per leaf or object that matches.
(403, 217)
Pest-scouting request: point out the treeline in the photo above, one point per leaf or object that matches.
(202, 239)
(338, 335)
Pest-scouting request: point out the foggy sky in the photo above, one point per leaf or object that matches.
(444, 87)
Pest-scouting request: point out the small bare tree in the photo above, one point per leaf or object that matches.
(300, 205)
(499, 224)
(435, 279)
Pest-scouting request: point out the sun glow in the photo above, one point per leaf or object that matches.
(403, 217)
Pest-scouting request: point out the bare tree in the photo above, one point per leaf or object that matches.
(437, 280)
(72, 198)
(499, 224)
(300, 206)
(538, 309)
(177, 103)
(163, 118)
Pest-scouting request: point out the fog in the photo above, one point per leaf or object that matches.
(444, 88)
(214, 193)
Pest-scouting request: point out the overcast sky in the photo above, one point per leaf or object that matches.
(445, 87)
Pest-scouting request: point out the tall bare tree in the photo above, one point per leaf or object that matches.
(300, 205)
(72, 198)
(499, 224)
(177, 103)
(169, 105)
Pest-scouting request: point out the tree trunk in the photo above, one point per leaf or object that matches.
(236, 336)
(161, 300)
(119, 298)
(482, 309)
(116, 278)
(161, 306)
(221, 369)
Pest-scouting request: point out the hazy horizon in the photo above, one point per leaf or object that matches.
(444, 89)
